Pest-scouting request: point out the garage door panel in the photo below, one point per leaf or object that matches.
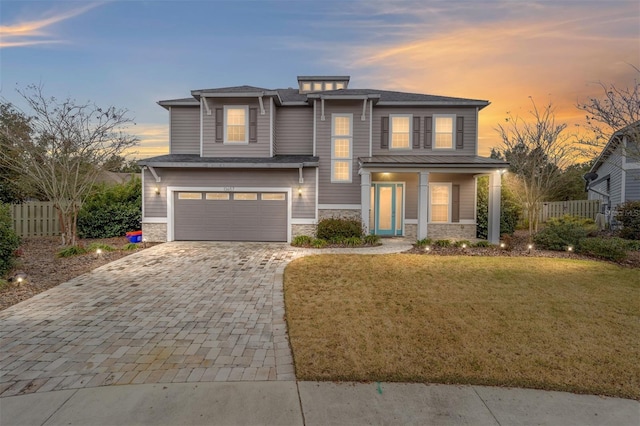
(214, 218)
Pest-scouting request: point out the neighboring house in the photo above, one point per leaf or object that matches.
(615, 176)
(254, 164)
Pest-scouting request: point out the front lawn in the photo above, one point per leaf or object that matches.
(561, 324)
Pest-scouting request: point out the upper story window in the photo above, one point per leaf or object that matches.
(339, 86)
(305, 87)
(341, 147)
(444, 131)
(400, 131)
(309, 84)
(236, 124)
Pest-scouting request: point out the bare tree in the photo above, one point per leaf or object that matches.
(69, 143)
(617, 109)
(538, 151)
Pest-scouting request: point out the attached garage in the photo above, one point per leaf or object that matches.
(230, 216)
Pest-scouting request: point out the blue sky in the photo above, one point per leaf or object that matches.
(133, 53)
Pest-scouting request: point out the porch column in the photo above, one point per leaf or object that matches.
(495, 187)
(423, 204)
(365, 199)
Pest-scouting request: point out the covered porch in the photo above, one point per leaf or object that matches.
(428, 197)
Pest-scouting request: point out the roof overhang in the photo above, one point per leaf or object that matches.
(230, 163)
(432, 162)
(338, 96)
(630, 130)
(479, 104)
(178, 102)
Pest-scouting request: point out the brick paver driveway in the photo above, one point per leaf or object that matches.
(176, 312)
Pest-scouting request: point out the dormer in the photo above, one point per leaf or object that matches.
(320, 83)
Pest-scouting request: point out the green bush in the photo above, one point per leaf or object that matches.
(339, 227)
(628, 214)
(318, 243)
(510, 209)
(338, 239)
(353, 241)
(560, 233)
(424, 242)
(111, 211)
(372, 240)
(9, 241)
(302, 241)
(605, 248)
(71, 251)
(130, 247)
(482, 243)
(442, 243)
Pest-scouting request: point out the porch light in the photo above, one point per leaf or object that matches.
(156, 190)
(299, 191)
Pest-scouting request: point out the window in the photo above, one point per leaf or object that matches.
(339, 86)
(400, 131)
(189, 196)
(217, 196)
(273, 197)
(341, 147)
(245, 196)
(328, 86)
(306, 87)
(443, 131)
(440, 197)
(317, 87)
(236, 123)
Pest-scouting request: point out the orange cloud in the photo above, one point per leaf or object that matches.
(154, 140)
(31, 33)
(506, 60)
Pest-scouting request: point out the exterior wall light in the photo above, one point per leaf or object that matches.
(299, 191)
(156, 190)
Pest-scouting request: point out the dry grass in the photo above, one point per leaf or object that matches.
(561, 324)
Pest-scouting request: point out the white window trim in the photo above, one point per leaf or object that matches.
(246, 124)
(434, 132)
(333, 138)
(450, 186)
(391, 117)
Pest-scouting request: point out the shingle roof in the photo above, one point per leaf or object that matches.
(194, 160)
(232, 89)
(433, 161)
(632, 130)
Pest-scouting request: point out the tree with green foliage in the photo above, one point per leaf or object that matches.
(538, 151)
(510, 209)
(572, 186)
(111, 210)
(12, 122)
(69, 144)
(9, 241)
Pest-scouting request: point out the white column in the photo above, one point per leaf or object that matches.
(365, 198)
(423, 204)
(495, 188)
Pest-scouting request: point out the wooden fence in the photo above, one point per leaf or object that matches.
(581, 208)
(35, 219)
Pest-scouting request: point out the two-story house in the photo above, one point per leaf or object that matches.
(253, 164)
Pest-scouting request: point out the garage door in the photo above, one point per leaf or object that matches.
(230, 216)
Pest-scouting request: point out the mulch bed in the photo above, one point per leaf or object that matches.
(45, 270)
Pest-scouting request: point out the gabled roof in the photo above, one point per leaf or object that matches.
(630, 130)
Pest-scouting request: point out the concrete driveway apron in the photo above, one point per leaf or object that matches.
(176, 312)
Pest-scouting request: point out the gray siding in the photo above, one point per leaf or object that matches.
(467, 194)
(340, 193)
(612, 167)
(303, 207)
(294, 131)
(274, 114)
(185, 130)
(469, 136)
(213, 149)
(632, 191)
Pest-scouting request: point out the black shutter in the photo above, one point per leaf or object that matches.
(427, 132)
(253, 125)
(219, 125)
(455, 203)
(416, 132)
(459, 133)
(384, 135)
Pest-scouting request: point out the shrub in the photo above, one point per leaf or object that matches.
(559, 233)
(442, 243)
(71, 251)
(628, 214)
(111, 211)
(353, 241)
(372, 240)
(338, 239)
(130, 247)
(101, 246)
(9, 241)
(424, 242)
(339, 227)
(483, 243)
(461, 243)
(302, 241)
(605, 248)
(318, 243)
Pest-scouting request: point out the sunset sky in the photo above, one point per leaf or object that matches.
(133, 53)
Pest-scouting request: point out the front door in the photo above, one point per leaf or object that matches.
(388, 208)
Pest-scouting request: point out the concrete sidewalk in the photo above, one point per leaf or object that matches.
(313, 403)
